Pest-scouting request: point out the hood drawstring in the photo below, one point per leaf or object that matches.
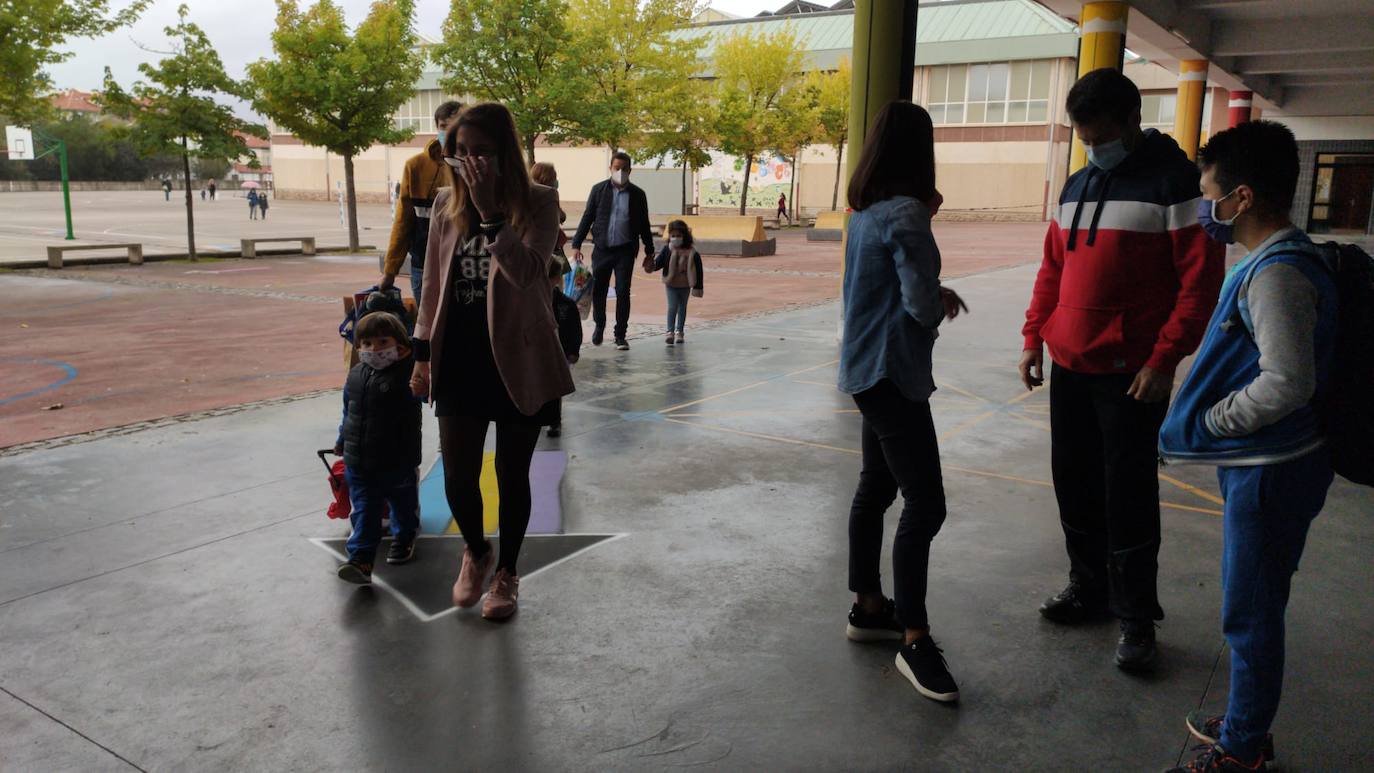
(1078, 212)
(1101, 204)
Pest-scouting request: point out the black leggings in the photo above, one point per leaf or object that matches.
(900, 452)
(462, 441)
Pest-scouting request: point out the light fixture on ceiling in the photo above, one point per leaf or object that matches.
(1178, 33)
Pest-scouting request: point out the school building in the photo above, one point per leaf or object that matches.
(994, 75)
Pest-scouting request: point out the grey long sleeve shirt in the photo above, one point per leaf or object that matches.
(1283, 310)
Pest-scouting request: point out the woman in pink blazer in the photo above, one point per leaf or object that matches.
(486, 343)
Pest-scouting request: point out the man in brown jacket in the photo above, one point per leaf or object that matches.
(420, 182)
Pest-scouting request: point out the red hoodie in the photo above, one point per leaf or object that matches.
(1129, 278)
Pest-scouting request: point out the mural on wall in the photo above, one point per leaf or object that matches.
(769, 176)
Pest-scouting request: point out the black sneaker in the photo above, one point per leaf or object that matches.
(622, 344)
(400, 552)
(1136, 649)
(598, 335)
(923, 665)
(1207, 728)
(1214, 759)
(882, 626)
(556, 430)
(1074, 604)
(356, 572)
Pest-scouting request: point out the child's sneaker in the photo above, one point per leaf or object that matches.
(401, 552)
(472, 579)
(500, 603)
(356, 572)
(1215, 759)
(922, 663)
(1207, 728)
(879, 626)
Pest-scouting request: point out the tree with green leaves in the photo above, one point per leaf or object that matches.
(176, 110)
(794, 129)
(753, 74)
(32, 33)
(625, 60)
(830, 94)
(512, 52)
(681, 126)
(337, 90)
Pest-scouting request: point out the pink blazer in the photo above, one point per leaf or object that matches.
(524, 336)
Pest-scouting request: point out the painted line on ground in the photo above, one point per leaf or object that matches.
(69, 373)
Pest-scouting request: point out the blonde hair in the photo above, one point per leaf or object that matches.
(513, 181)
(543, 173)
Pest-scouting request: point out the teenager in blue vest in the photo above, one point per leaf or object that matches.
(1251, 406)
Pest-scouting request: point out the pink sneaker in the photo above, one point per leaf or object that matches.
(473, 578)
(500, 603)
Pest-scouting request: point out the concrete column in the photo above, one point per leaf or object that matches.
(884, 64)
(1102, 44)
(1192, 90)
(1238, 107)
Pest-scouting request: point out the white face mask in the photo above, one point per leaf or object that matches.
(380, 359)
(618, 177)
(675, 242)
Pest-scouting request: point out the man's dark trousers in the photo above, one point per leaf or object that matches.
(1106, 478)
(619, 261)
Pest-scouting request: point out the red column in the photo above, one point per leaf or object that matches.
(1239, 107)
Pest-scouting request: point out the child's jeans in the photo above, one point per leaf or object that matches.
(368, 493)
(1264, 528)
(677, 308)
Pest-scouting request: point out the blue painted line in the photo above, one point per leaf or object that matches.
(69, 373)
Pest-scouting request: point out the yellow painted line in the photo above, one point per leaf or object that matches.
(999, 476)
(1029, 420)
(966, 426)
(814, 383)
(745, 388)
(1191, 489)
(1191, 509)
(813, 367)
(758, 412)
(957, 390)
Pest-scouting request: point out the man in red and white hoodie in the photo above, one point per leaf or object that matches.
(1127, 285)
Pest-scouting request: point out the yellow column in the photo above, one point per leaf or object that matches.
(1102, 44)
(1192, 88)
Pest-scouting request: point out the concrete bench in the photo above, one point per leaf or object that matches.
(829, 227)
(135, 252)
(728, 235)
(248, 248)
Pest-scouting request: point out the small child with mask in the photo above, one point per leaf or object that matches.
(683, 276)
(379, 440)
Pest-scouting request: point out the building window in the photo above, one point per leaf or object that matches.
(997, 92)
(1157, 111)
(418, 111)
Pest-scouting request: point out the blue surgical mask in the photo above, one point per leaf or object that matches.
(1220, 230)
(1107, 155)
(442, 136)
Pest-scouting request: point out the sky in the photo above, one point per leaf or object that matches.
(241, 30)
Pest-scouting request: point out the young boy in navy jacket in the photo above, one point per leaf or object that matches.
(380, 443)
(1250, 405)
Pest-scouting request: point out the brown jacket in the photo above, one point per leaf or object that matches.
(524, 336)
(421, 180)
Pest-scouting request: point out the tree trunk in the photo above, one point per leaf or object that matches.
(684, 188)
(351, 195)
(792, 188)
(190, 215)
(839, 170)
(529, 150)
(744, 191)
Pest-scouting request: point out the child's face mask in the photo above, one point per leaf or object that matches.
(675, 242)
(380, 359)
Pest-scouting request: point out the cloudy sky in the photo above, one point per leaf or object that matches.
(241, 30)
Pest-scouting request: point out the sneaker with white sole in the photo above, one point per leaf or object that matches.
(356, 572)
(870, 626)
(922, 663)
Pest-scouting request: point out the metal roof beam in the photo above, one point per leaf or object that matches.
(1290, 36)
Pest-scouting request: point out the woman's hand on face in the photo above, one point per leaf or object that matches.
(419, 379)
(480, 178)
(954, 305)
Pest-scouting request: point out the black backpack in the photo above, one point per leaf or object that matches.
(1350, 402)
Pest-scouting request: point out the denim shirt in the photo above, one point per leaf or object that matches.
(892, 303)
(618, 230)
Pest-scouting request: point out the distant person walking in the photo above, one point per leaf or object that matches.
(486, 345)
(617, 214)
(683, 277)
(782, 209)
(420, 181)
(213, 188)
(262, 203)
(166, 190)
(252, 205)
(894, 303)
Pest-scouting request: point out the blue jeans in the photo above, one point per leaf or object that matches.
(677, 308)
(417, 278)
(367, 493)
(1267, 513)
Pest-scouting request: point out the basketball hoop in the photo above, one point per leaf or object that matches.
(18, 143)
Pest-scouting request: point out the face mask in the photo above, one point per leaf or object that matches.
(380, 359)
(1107, 155)
(675, 242)
(618, 177)
(442, 136)
(1220, 230)
(493, 163)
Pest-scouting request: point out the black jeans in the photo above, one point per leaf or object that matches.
(461, 442)
(621, 262)
(1106, 478)
(900, 452)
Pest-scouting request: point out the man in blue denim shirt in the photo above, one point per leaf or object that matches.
(617, 214)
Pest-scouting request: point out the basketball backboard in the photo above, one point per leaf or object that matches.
(19, 142)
